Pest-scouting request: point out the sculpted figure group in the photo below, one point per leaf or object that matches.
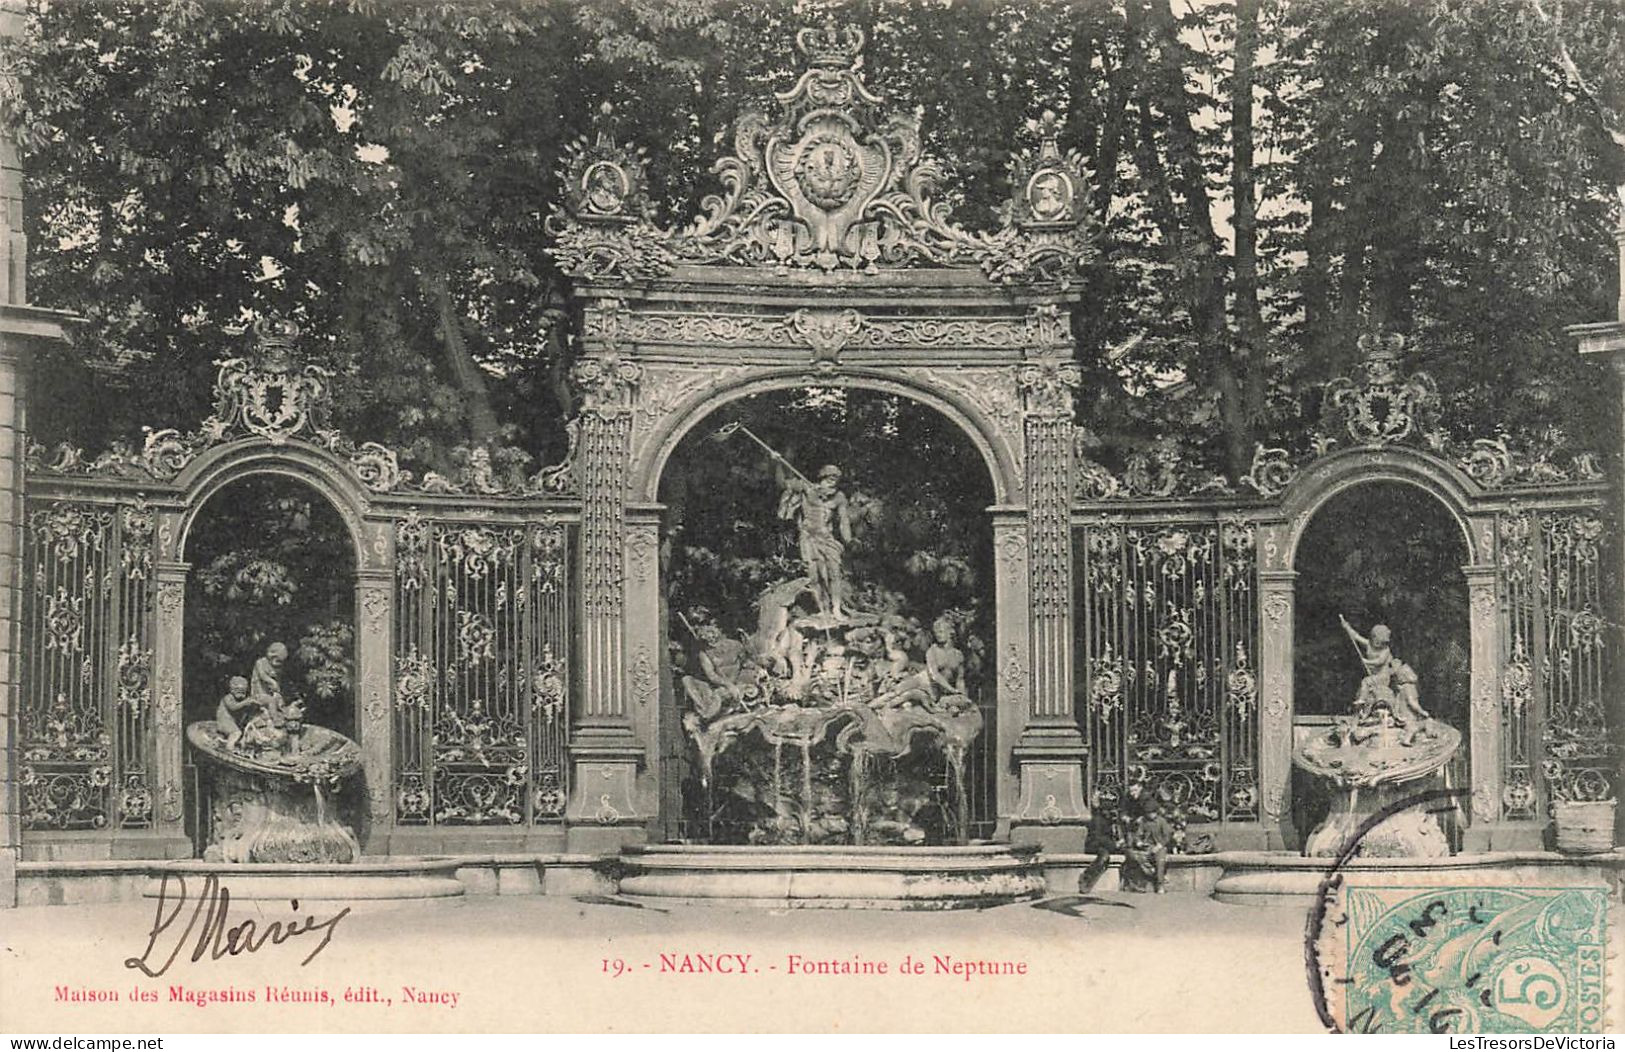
(833, 655)
(1388, 691)
(253, 716)
(868, 687)
(867, 665)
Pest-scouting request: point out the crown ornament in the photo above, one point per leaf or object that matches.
(831, 45)
(1382, 405)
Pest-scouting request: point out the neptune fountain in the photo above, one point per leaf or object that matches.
(834, 714)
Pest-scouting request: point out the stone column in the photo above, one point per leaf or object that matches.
(1275, 706)
(1012, 643)
(168, 662)
(1484, 720)
(645, 647)
(1052, 809)
(13, 241)
(604, 748)
(374, 602)
(21, 328)
(1619, 239)
(1607, 339)
(13, 289)
(11, 527)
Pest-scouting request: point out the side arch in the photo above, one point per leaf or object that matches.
(218, 468)
(999, 448)
(1345, 470)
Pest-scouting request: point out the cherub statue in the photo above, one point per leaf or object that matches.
(275, 735)
(896, 663)
(1388, 682)
(236, 700)
(1376, 654)
(265, 682)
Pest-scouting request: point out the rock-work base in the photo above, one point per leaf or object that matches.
(260, 812)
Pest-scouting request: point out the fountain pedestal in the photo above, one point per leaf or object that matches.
(277, 810)
(1410, 832)
(1375, 766)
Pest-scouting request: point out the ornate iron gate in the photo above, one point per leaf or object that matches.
(86, 747)
(1555, 742)
(482, 659)
(1168, 627)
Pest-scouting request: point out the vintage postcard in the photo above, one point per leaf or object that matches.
(821, 517)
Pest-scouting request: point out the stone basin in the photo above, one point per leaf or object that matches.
(832, 876)
(368, 882)
(276, 808)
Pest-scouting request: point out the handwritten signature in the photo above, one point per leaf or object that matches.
(216, 936)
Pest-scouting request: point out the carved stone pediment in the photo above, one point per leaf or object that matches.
(829, 180)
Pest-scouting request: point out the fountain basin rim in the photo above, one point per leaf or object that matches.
(366, 884)
(200, 735)
(1426, 760)
(846, 850)
(1264, 878)
(830, 859)
(364, 867)
(831, 876)
(1285, 860)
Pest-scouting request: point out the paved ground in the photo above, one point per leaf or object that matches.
(1112, 963)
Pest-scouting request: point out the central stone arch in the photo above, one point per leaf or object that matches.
(824, 261)
(993, 361)
(1001, 459)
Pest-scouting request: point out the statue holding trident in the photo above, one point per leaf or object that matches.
(823, 518)
(1388, 681)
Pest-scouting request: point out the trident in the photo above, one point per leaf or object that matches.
(727, 430)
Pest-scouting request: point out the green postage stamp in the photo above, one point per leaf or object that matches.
(1461, 958)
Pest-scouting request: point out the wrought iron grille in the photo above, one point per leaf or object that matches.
(1555, 743)
(482, 637)
(85, 723)
(1168, 630)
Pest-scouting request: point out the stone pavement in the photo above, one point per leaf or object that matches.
(1109, 963)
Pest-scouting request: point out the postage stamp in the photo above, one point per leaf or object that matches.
(1462, 958)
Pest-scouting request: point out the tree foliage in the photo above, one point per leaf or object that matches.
(1273, 177)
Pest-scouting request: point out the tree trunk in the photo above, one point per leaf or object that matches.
(1249, 346)
(1113, 108)
(1206, 286)
(1316, 279)
(482, 419)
